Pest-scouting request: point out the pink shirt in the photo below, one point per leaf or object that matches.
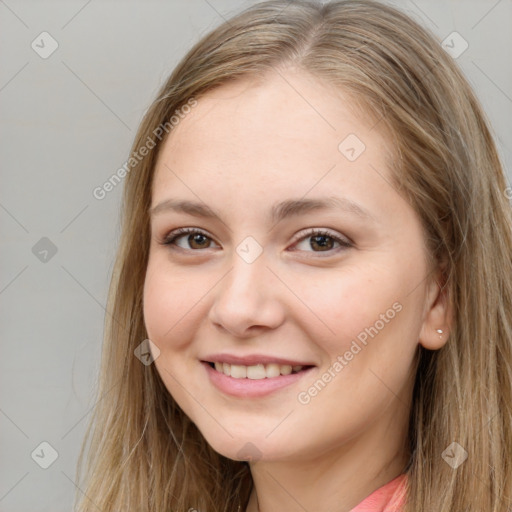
(388, 498)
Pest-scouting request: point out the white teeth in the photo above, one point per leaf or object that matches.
(272, 370)
(286, 369)
(257, 371)
(238, 371)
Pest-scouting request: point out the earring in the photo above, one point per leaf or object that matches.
(440, 332)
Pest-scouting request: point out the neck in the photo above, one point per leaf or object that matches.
(334, 480)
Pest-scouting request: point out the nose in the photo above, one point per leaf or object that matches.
(247, 301)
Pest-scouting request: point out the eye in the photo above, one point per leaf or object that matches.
(323, 241)
(196, 239)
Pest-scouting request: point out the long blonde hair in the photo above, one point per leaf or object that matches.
(144, 453)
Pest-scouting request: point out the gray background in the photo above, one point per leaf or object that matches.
(67, 125)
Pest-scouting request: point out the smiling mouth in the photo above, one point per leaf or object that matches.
(257, 371)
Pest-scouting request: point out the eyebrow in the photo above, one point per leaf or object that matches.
(280, 211)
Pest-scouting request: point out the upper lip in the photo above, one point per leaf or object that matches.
(253, 359)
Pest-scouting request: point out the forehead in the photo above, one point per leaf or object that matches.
(290, 104)
(287, 130)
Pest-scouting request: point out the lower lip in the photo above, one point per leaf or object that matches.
(252, 388)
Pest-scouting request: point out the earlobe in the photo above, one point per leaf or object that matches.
(436, 327)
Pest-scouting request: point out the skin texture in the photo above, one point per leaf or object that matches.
(244, 147)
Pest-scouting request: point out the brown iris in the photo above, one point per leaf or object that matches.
(196, 241)
(321, 242)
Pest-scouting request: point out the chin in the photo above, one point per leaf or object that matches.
(245, 449)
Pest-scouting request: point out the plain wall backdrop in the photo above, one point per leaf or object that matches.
(68, 116)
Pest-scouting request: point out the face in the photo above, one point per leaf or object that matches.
(298, 250)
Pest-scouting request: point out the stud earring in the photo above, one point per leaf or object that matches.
(440, 332)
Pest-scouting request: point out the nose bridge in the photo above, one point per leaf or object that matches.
(246, 296)
(247, 277)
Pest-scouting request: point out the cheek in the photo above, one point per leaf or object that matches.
(343, 306)
(172, 308)
(369, 356)
(171, 302)
(376, 324)
(368, 328)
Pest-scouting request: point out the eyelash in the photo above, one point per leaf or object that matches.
(178, 233)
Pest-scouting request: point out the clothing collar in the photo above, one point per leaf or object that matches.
(388, 498)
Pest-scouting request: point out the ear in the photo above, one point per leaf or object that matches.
(438, 313)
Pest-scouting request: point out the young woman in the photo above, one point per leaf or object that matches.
(310, 307)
